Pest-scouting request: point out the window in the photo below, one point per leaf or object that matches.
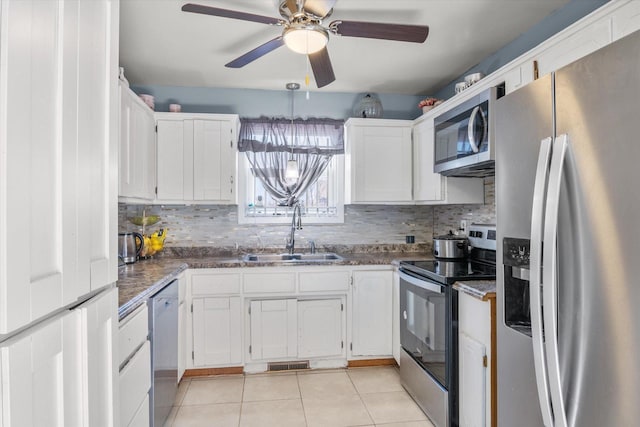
(267, 146)
(322, 203)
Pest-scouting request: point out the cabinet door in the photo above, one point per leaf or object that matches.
(371, 317)
(217, 331)
(395, 319)
(427, 185)
(97, 85)
(63, 372)
(473, 377)
(212, 160)
(100, 327)
(175, 160)
(273, 329)
(320, 328)
(381, 164)
(41, 376)
(58, 172)
(137, 159)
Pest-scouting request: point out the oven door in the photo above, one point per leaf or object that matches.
(425, 324)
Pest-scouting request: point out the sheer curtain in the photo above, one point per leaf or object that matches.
(270, 143)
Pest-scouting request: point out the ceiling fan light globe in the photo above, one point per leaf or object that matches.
(305, 40)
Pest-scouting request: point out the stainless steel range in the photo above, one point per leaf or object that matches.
(429, 323)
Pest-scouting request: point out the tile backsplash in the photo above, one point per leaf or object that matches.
(217, 226)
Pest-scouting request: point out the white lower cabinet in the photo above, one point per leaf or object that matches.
(372, 313)
(217, 331)
(182, 326)
(473, 380)
(273, 329)
(320, 328)
(135, 368)
(251, 316)
(477, 365)
(395, 333)
(135, 382)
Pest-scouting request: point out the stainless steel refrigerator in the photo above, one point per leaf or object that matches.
(568, 216)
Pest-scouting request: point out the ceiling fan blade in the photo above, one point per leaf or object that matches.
(374, 30)
(319, 8)
(256, 53)
(225, 13)
(292, 5)
(321, 66)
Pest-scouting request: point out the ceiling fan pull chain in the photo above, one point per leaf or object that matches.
(306, 77)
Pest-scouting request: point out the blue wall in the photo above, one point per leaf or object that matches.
(273, 103)
(254, 103)
(552, 24)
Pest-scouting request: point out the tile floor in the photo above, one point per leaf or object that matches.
(332, 398)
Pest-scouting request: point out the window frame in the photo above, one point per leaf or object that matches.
(244, 177)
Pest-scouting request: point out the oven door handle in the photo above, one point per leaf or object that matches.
(421, 283)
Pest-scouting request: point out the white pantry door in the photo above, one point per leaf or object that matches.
(58, 168)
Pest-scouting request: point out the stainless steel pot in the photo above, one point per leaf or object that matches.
(450, 246)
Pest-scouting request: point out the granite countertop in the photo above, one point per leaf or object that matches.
(480, 289)
(138, 281)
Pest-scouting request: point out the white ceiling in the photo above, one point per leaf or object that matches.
(161, 45)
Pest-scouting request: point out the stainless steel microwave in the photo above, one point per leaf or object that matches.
(464, 141)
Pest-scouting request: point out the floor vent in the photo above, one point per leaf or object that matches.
(288, 366)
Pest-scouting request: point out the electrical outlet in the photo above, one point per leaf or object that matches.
(463, 226)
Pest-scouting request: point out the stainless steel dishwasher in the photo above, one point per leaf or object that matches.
(163, 330)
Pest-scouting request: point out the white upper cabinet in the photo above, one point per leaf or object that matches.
(427, 184)
(574, 46)
(197, 157)
(378, 161)
(58, 171)
(137, 160)
(432, 188)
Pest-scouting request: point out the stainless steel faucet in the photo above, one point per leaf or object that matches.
(296, 224)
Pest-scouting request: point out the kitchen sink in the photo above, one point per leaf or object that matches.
(318, 257)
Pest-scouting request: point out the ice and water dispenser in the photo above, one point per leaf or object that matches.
(517, 309)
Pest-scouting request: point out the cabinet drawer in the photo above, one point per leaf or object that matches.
(324, 281)
(215, 284)
(135, 382)
(269, 282)
(134, 330)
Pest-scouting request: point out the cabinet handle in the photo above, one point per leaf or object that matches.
(231, 179)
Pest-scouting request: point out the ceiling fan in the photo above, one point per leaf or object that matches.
(304, 33)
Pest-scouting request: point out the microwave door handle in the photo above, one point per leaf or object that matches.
(550, 279)
(470, 129)
(535, 283)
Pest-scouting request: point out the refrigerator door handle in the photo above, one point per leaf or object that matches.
(535, 283)
(549, 279)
